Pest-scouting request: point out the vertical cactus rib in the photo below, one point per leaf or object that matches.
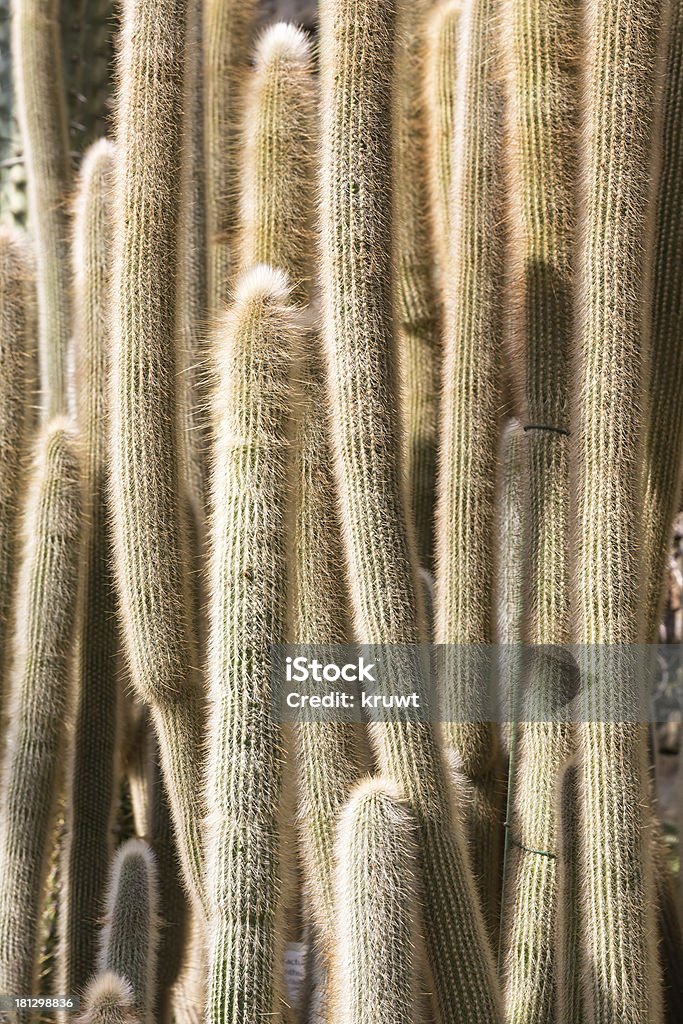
(377, 902)
(357, 51)
(130, 936)
(16, 322)
(664, 429)
(227, 26)
(620, 968)
(108, 999)
(41, 113)
(440, 76)
(250, 549)
(417, 312)
(543, 93)
(470, 430)
(92, 786)
(42, 684)
(151, 549)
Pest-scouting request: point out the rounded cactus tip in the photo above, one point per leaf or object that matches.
(283, 41)
(133, 849)
(102, 149)
(373, 791)
(107, 998)
(262, 283)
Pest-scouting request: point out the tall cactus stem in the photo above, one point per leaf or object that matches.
(130, 936)
(543, 90)
(151, 545)
(470, 431)
(41, 112)
(250, 542)
(440, 76)
(227, 25)
(92, 785)
(621, 971)
(417, 304)
(16, 324)
(359, 341)
(41, 696)
(377, 900)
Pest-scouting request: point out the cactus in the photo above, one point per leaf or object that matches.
(377, 899)
(358, 335)
(108, 999)
(417, 312)
(151, 550)
(93, 779)
(192, 295)
(441, 45)
(258, 338)
(543, 94)
(41, 113)
(470, 427)
(130, 936)
(40, 699)
(16, 321)
(227, 25)
(664, 428)
(621, 972)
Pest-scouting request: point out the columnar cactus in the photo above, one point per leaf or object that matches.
(257, 340)
(151, 548)
(664, 430)
(40, 699)
(93, 783)
(358, 334)
(417, 312)
(16, 325)
(470, 427)
(440, 76)
(130, 936)
(108, 999)
(620, 966)
(377, 899)
(227, 25)
(41, 111)
(191, 288)
(543, 93)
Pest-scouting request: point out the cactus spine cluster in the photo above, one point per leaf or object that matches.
(40, 698)
(377, 898)
(108, 1000)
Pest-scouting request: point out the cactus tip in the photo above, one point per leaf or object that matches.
(283, 41)
(262, 283)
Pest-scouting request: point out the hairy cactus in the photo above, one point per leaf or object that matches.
(227, 25)
(191, 287)
(40, 699)
(257, 340)
(41, 112)
(543, 92)
(108, 999)
(470, 427)
(16, 323)
(620, 967)
(417, 313)
(92, 786)
(151, 549)
(130, 936)
(440, 77)
(359, 339)
(377, 900)
(664, 429)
